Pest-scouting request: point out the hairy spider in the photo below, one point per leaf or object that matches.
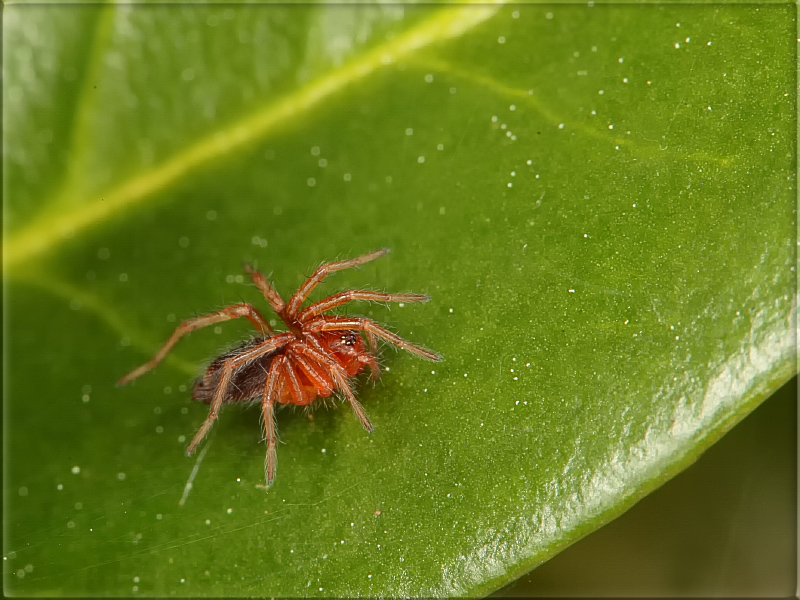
(315, 358)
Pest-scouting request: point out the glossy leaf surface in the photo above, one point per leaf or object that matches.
(600, 202)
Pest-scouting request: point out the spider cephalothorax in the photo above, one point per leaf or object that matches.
(314, 359)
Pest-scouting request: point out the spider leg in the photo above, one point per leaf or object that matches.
(372, 341)
(321, 381)
(339, 376)
(291, 380)
(339, 299)
(271, 391)
(232, 312)
(322, 272)
(370, 327)
(272, 296)
(227, 372)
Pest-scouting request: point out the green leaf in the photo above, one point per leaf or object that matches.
(599, 200)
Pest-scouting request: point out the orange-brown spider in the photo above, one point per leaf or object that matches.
(313, 359)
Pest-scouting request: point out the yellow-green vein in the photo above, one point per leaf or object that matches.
(650, 150)
(56, 226)
(80, 300)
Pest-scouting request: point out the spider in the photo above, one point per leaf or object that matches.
(315, 358)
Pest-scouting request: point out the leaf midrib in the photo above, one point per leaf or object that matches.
(54, 227)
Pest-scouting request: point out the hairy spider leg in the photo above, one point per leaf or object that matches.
(340, 379)
(350, 296)
(372, 344)
(322, 272)
(322, 382)
(231, 365)
(271, 393)
(298, 394)
(272, 296)
(370, 327)
(231, 312)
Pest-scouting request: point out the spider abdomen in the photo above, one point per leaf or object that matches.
(247, 384)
